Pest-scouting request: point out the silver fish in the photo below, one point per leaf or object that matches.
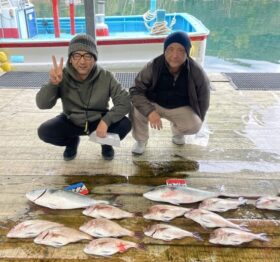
(168, 232)
(179, 195)
(106, 211)
(60, 199)
(60, 236)
(209, 219)
(234, 237)
(165, 212)
(102, 227)
(222, 205)
(31, 228)
(109, 246)
(268, 202)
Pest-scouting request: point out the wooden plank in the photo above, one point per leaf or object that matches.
(74, 252)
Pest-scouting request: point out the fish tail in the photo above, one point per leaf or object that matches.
(222, 189)
(197, 236)
(262, 237)
(139, 234)
(141, 246)
(242, 200)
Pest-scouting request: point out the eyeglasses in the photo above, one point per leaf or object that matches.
(86, 56)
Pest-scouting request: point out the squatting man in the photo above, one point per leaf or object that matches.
(171, 86)
(85, 89)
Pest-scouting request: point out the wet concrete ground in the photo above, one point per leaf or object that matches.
(239, 148)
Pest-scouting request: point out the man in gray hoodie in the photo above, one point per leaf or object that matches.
(85, 90)
(171, 86)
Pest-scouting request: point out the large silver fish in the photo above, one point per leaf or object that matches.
(268, 202)
(221, 205)
(208, 219)
(102, 227)
(31, 228)
(165, 212)
(106, 211)
(234, 237)
(60, 199)
(168, 232)
(179, 195)
(109, 246)
(60, 236)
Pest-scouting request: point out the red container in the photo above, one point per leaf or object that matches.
(102, 29)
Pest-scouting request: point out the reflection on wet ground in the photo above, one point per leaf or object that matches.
(263, 128)
(165, 168)
(239, 154)
(238, 166)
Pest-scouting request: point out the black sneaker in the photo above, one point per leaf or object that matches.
(70, 151)
(107, 152)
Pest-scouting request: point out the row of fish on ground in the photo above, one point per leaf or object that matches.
(108, 232)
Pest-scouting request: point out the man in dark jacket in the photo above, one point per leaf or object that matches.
(172, 86)
(85, 90)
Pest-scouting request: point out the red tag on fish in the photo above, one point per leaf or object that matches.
(176, 182)
(78, 188)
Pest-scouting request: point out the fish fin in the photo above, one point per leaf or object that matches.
(197, 236)
(115, 204)
(243, 227)
(166, 218)
(263, 237)
(221, 209)
(57, 244)
(52, 206)
(141, 246)
(139, 234)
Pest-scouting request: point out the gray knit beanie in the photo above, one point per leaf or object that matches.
(179, 37)
(83, 42)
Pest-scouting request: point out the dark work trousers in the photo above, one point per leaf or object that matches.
(60, 131)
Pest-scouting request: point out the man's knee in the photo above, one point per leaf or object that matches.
(191, 129)
(126, 124)
(122, 128)
(44, 133)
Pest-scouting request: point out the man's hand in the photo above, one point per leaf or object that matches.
(101, 130)
(155, 121)
(56, 71)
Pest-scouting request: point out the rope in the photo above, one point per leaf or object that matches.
(149, 16)
(159, 28)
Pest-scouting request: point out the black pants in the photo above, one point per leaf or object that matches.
(60, 131)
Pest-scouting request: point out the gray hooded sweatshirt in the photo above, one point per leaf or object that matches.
(86, 100)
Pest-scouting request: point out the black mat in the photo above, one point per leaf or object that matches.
(37, 79)
(23, 79)
(126, 79)
(255, 81)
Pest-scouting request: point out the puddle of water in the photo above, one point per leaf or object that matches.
(238, 166)
(262, 127)
(165, 168)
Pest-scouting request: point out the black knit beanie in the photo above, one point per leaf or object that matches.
(178, 37)
(83, 42)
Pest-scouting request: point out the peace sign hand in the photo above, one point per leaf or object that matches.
(56, 71)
